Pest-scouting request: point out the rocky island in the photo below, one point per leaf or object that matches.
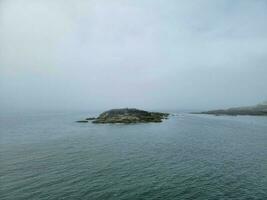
(258, 110)
(128, 115)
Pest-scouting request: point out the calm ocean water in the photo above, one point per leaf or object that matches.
(49, 156)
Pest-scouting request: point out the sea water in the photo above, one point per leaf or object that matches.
(50, 156)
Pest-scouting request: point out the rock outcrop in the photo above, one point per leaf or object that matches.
(130, 115)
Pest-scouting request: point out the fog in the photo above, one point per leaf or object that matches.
(150, 54)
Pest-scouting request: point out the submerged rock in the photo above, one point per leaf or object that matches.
(82, 121)
(86, 120)
(130, 115)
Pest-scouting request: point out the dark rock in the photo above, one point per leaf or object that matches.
(130, 115)
(82, 121)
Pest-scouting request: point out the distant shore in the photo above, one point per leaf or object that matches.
(258, 110)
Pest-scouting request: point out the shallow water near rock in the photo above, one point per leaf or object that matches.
(50, 156)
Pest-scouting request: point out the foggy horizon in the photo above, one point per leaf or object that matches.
(100, 54)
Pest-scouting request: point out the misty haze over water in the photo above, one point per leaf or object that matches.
(63, 62)
(75, 55)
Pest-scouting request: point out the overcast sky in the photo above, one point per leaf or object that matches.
(152, 54)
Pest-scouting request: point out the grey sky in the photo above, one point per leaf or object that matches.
(153, 54)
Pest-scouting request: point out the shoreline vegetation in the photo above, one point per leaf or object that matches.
(258, 110)
(127, 116)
